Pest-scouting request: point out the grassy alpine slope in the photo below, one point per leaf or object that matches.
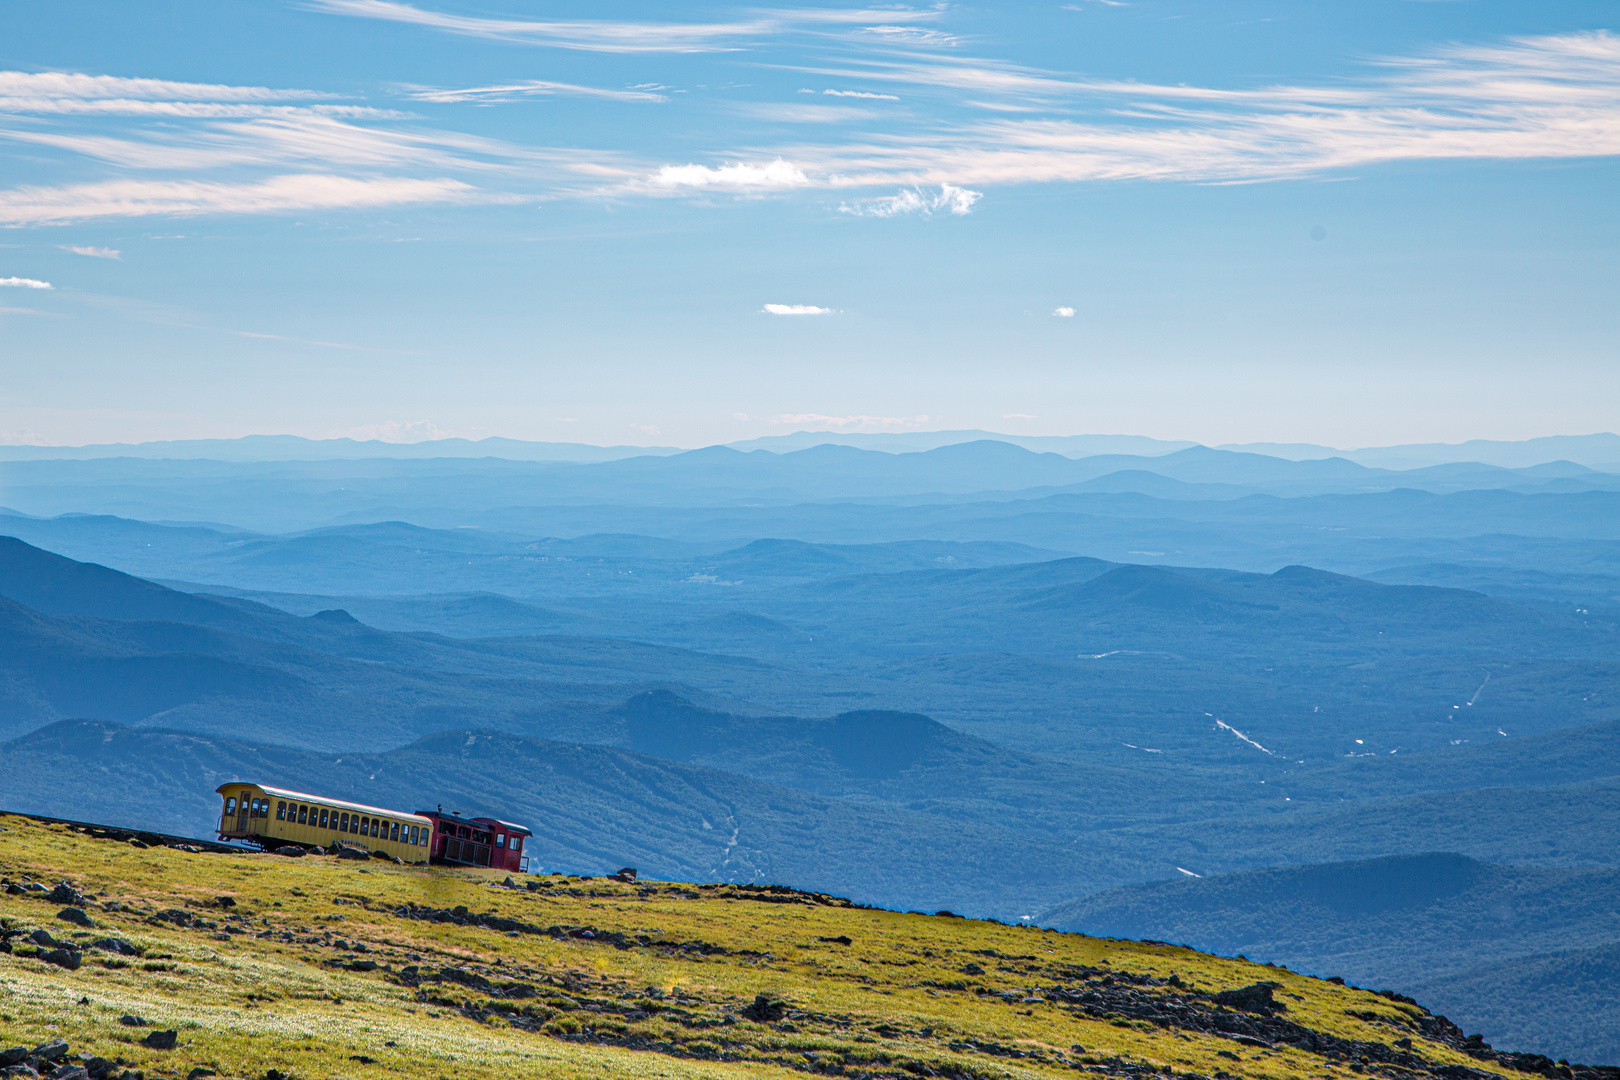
(320, 967)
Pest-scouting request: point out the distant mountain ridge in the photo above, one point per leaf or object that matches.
(1600, 451)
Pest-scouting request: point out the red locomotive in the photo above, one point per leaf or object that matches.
(479, 841)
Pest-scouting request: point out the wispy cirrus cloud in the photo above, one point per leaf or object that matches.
(24, 283)
(855, 94)
(140, 198)
(489, 95)
(591, 35)
(795, 309)
(618, 36)
(94, 252)
(1543, 97)
(249, 150)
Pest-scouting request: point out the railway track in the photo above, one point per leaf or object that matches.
(144, 836)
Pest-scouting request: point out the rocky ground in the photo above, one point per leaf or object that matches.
(123, 960)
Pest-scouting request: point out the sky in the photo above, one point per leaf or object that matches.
(1350, 224)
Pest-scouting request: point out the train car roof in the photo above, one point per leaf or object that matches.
(521, 830)
(302, 796)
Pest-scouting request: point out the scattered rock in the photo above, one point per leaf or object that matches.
(199, 1072)
(765, 1009)
(292, 851)
(225, 901)
(627, 873)
(67, 894)
(161, 1040)
(971, 969)
(74, 915)
(841, 939)
(131, 1020)
(351, 853)
(43, 938)
(52, 1051)
(99, 1068)
(275, 1074)
(1256, 998)
(69, 1072)
(946, 915)
(115, 945)
(15, 1056)
(64, 958)
(362, 1059)
(19, 1072)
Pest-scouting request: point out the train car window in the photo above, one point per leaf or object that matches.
(303, 814)
(393, 831)
(324, 825)
(517, 843)
(414, 834)
(230, 805)
(500, 840)
(361, 829)
(344, 824)
(281, 810)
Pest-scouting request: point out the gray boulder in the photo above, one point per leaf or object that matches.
(66, 894)
(52, 1051)
(74, 915)
(43, 939)
(161, 1040)
(115, 945)
(63, 958)
(15, 1056)
(68, 1072)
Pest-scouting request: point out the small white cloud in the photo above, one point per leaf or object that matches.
(24, 283)
(854, 93)
(776, 174)
(1019, 416)
(948, 199)
(93, 252)
(739, 416)
(1063, 312)
(647, 429)
(795, 309)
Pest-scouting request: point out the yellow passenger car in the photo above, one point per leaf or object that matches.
(276, 817)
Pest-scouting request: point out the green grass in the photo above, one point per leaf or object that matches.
(895, 1002)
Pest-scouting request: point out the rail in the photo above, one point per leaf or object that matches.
(145, 836)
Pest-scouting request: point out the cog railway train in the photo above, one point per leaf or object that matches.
(272, 817)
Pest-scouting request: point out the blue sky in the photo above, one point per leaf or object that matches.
(1350, 224)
